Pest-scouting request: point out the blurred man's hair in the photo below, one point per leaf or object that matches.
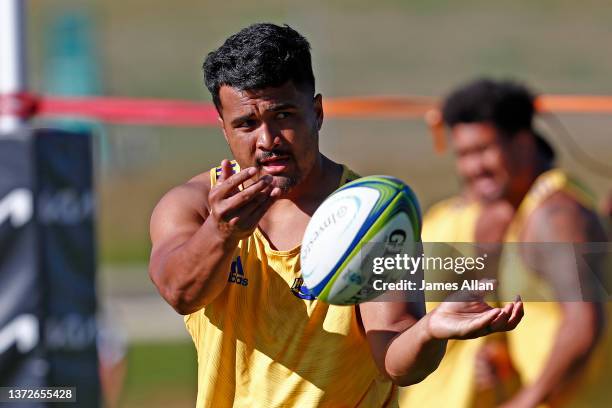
(260, 56)
(507, 105)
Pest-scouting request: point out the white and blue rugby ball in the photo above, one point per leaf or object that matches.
(353, 225)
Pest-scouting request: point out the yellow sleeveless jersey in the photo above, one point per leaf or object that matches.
(531, 342)
(452, 384)
(264, 342)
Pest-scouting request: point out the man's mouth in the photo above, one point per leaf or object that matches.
(276, 164)
(485, 184)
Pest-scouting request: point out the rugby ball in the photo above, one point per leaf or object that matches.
(352, 226)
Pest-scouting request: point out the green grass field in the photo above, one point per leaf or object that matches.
(160, 375)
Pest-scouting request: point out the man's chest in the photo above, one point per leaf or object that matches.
(284, 232)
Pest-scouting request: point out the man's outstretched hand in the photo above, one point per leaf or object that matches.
(473, 317)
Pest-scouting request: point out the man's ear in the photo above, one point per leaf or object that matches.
(318, 108)
(220, 119)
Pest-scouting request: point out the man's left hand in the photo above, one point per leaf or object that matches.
(456, 319)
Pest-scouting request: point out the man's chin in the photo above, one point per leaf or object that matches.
(284, 183)
(488, 191)
(489, 196)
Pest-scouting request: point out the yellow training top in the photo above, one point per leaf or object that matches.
(452, 384)
(532, 341)
(264, 342)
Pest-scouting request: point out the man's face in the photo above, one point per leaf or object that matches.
(274, 129)
(483, 160)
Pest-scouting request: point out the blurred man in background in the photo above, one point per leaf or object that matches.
(562, 349)
(452, 220)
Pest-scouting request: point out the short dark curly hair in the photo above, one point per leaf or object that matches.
(259, 56)
(507, 105)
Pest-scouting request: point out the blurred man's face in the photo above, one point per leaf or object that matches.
(482, 160)
(273, 129)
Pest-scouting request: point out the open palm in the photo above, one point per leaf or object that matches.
(471, 318)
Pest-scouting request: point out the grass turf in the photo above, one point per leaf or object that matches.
(160, 375)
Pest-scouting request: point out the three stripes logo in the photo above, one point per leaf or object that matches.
(237, 273)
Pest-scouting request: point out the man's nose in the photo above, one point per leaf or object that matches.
(472, 166)
(268, 137)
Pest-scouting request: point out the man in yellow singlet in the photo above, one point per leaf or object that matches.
(226, 248)
(453, 221)
(562, 350)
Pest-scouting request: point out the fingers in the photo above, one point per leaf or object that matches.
(509, 317)
(517, 313)
(229, 183)
(249, 215)
(249, 194)
(483, 322)
(500, 321)
(243, 205)
(231, 206)
(244, 202)
(226, 171)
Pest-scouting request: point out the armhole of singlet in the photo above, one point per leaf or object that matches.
(213, 176)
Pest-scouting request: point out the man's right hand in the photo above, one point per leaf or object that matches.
(236, 212)
(195, 229)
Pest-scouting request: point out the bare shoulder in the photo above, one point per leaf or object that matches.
(184, 207)
(562, 218)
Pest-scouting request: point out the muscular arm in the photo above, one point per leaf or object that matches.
(400, 341)
(187, 250)
(195, 231)
(561, 219)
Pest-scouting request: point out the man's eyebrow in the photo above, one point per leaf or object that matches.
(271, 108)
(281, 106)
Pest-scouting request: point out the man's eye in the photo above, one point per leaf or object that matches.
(249, 123)
(282, 115)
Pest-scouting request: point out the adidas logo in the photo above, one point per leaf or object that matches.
(237, 274)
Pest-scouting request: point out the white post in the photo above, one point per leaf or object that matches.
(12, 60)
